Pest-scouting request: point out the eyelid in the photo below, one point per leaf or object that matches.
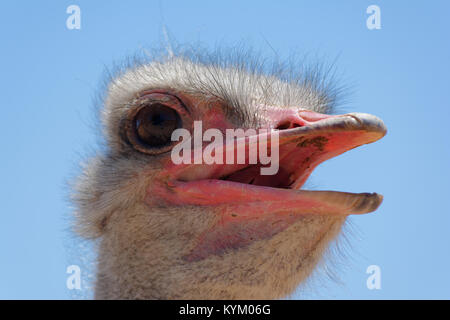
(164, 95)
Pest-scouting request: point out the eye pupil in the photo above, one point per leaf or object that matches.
(160, 119)
(157, 120)
(155, 124)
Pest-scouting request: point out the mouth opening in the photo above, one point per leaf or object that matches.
(251, 175)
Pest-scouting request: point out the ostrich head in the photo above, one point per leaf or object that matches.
(215, 230)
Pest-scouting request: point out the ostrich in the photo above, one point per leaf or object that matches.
(215, 231)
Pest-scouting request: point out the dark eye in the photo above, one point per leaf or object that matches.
(151, 120)
(155, 123)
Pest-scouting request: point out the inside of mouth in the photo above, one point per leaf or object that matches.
(294, 163)
(294, 166)
(252, 175)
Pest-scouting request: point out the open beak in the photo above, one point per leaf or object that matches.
(244, 194)
(300, 149)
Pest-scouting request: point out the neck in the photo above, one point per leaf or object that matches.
(134, 263)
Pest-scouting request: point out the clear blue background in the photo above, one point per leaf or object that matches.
(48, 75)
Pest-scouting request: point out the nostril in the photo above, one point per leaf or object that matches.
(283, 126)
(287, 125)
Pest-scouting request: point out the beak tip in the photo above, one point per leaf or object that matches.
(369, 122)
(375, 202)
(367, 202)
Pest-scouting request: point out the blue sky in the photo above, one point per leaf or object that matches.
(400, 73)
